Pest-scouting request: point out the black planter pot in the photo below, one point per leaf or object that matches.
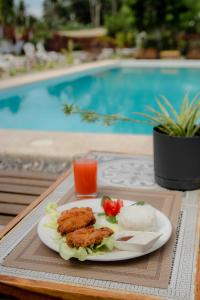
(176, 161)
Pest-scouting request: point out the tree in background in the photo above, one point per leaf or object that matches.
(80, 11)
(58, 13)
(92, 12)
(121, 25)
(20, 13)
(190, 18)
(31, 21)
(55, 13)
(7, 12)
(95, 12)
(161, 20)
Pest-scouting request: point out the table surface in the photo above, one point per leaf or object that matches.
(32, 289)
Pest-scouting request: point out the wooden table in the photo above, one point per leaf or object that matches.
(32, 289)
(20, 188)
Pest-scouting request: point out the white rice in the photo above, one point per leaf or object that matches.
(138, 217)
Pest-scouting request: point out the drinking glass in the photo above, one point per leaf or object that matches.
(85, 176)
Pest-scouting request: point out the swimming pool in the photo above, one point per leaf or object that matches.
(38, 106)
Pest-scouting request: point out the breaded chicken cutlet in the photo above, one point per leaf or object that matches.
(75, 218)
(87, 236)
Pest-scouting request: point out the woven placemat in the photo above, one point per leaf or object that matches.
(151, 270)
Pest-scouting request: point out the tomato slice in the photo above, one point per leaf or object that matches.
(112, 208)
(119, 204)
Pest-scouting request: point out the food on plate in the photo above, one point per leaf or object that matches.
(75, 218)
(138, 241)
(74, 234)
(85, 242)
(87, 236)
(82, 253)
(111, 207)
(81, 233)
(137, 217)
(104, 221)
(124, 238)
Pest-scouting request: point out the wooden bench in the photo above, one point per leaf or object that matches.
(18, 189)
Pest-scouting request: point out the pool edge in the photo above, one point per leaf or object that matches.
(50, 74)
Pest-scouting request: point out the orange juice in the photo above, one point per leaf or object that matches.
(85, 176)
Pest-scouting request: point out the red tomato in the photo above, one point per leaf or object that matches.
(111, 207)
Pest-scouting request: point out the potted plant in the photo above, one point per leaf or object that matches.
(176, 139)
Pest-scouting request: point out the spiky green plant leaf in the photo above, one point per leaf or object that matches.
(166, 118)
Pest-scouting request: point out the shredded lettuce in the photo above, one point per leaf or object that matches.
(107, 244)
(66, 252)
(52, 208)
(52, 212)
(101, 221)
(81, 253)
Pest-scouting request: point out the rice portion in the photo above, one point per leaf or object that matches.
(138, 217)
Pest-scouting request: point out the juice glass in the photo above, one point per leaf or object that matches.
(85, 176)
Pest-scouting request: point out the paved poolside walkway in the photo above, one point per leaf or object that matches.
(63, 145)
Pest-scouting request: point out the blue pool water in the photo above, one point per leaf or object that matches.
(38, 106)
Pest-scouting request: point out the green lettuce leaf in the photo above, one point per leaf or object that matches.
(51, 211)
(138, 203)
(107, 244)
(82, 253)
(66, 252)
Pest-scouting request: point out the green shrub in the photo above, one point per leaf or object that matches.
(121, 26)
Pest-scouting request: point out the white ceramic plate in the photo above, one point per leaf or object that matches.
(47, 235)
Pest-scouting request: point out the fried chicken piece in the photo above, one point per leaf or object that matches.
(87, 236)
(75, 218)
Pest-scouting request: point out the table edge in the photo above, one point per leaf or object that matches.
(70, 291)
